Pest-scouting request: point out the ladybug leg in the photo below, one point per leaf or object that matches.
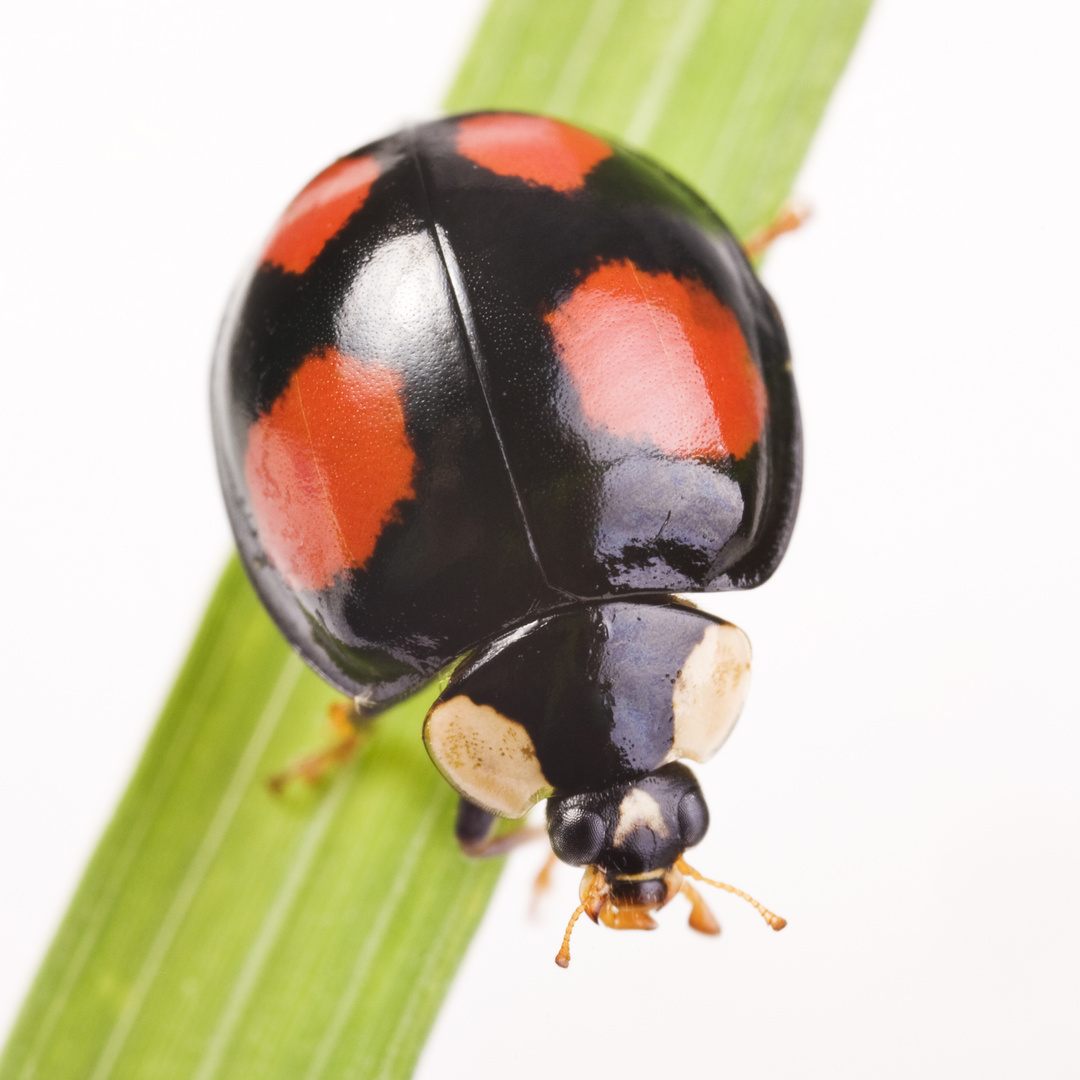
(473, 831)
(349, 725)
(775, 921)
(543, 881)
(790, 217)
(701, 918)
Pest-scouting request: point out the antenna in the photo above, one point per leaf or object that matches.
(591, 900)
(773, 920)
(562, 958)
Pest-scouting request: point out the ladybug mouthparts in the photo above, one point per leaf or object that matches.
(627, 901)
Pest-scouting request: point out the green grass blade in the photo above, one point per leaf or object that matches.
(221, 932)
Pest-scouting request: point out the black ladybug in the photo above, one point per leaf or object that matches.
(497, 387)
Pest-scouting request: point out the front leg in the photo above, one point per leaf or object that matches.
(473, 831)
(350, 726)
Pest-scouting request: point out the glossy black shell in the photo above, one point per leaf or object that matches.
(520, 503)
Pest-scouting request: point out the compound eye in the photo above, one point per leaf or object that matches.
(577, 836)
(693, 818)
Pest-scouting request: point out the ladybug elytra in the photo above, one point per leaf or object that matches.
(494, 388)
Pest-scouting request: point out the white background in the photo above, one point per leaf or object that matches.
(903, 786)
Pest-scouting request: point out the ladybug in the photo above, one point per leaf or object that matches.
(494, 388)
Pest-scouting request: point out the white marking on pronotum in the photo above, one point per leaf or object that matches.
(270, 929)
(581, 56)
(200, 864)
(682, 39)
(710, 692)
(638, 810)
(486, 756)
(374, 939)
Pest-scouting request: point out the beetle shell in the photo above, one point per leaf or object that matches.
(487, 368)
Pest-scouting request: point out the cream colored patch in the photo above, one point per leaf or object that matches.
(487, 757)
(710, 692)
(638, 810)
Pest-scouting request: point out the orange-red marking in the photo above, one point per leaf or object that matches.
(657, 357)
(532, 148)
(327, 467)
(318, 213)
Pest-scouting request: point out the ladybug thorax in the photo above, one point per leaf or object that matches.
(593, 707)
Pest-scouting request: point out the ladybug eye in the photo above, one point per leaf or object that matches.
(693, 818)
(577, 836)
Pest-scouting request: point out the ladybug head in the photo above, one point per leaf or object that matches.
(631, 832)
(631, 839)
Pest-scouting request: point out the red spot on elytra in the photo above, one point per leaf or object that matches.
(659, 357)
(327, 467)
(532, 148)
(318, 213)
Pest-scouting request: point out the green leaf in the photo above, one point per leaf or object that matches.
(220, 931)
